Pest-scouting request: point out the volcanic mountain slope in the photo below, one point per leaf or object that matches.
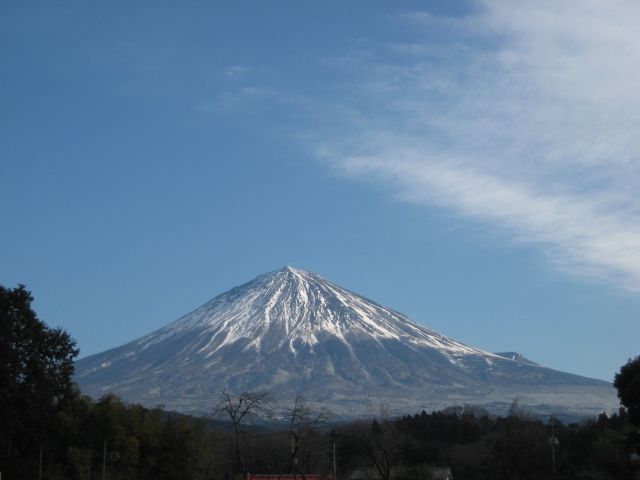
(292, 331)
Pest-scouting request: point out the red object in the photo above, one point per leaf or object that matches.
(254, 476)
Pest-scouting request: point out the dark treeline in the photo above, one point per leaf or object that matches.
(476, 445)
(112, 439)
(49, 430)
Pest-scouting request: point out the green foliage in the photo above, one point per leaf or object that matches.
(46, 424)
(131, 442)
(595, 448)
(36, 365)
(627, 382)
(78, 463)
(476, 445)
(183, 451)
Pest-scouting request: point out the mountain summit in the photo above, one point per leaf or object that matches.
(291, 331)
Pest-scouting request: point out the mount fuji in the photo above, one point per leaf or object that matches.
(291, 331)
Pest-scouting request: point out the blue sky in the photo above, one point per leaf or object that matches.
(474, 165)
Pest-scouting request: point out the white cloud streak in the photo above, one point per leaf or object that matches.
(526, 118)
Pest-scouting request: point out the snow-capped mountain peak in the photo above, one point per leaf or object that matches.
(292, 330)
(294, 308)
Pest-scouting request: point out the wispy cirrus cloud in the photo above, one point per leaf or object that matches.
(523, 115)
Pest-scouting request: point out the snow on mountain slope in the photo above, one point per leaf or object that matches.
(297, 306)
(292, 331)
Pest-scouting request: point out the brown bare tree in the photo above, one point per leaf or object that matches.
(244, 409)
(383, 443)
(304, 422)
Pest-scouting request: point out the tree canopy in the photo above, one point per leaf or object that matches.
(627, 382)
(36, 366)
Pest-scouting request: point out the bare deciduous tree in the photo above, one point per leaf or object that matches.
(382, 446)
(243, 409)
(304, 421)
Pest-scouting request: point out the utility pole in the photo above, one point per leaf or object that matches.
(335, 471)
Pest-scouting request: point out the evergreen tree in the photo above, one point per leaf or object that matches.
(36, 365)
(627, 382)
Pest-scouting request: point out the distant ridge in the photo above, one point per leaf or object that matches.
(291, 331)
(518, 357)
